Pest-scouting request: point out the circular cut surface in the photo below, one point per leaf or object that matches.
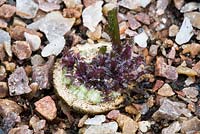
(79, 104)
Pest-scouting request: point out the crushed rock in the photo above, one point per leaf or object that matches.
(185, 33)
(92, 15)
(171, 110)
(18, 82)
(46, 107)
(26, 9)
(96, 120)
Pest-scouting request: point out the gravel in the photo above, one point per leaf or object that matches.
(35, 34)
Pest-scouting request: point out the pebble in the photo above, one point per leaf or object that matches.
(92, 15)
(190, 80)
(33, 40)
(37, 124)
(161, 6)
(54, 31)
(141, 39)
(143, 3)
(153, 50)
(150, 102)
(8, 106)
(3, 73)
(123, 26)
(185, 33)
(82, 120)
(7, 11)
(171, 110)
(9, 121)
(173, 30)
(144, 126)
(122, 17)
(96, 120)
(190, 6)
(3, 23)
(191, 106)
(166, 90)
(18, 82)
(88, 2)
(42, 73)
(10, 66)
(158, 84)
(37, 60)
(191, 92)
(196, 68)
(22, 49)
(28, 70)
(133, 23)
(128, 125)
(194, 18)
(35, 88)
(197, 109)
(179, 3)
(74, 12)
(19, 22)
(17, 32)
(24, 129)
(105, 128)
(143, 108)
(172, 129)
(26, 9)
(54, 47)
(143, 18)
(72, 3)
(2, 52)
(46, 107)
(54, 25)
(3, 89)
(190, 126)
(164, 70)
(134, 4)
(131, 110)
(2, 2)
(113, 114)
(193, 49)
(186, 71)
(96, 35)
(48, 6)
(171, 54)
(130, 33)
(6, 41)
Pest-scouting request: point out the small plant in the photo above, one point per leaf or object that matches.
(107, 75)
(108, 72)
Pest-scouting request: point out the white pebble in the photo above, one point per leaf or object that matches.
(54, 47)
(92, 15)
(33, 40)
(141, 39)
(26, 8)
(96, 120)
(144, 126)
(185, 33)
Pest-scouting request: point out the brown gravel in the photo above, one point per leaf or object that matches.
(22, 49)
(35, 34)
(46, 107)
(7, 11)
